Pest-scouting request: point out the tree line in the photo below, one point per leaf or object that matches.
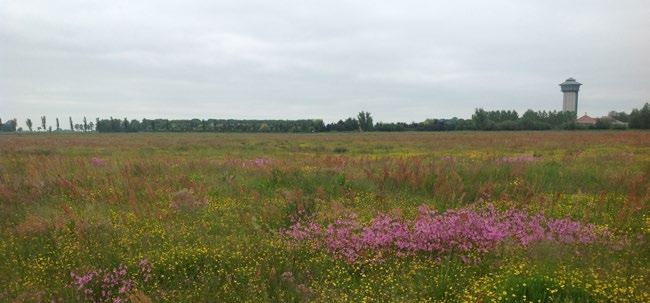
(480, 120)
(209, 125)
(503, 120)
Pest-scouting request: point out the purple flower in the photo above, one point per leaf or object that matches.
(463, 231)
(145, 269)
(104, 285)
(256, 163)
(97, 162)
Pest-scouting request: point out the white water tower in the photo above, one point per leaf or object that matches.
(570, 89)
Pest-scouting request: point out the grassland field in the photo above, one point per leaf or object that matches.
(350, 217)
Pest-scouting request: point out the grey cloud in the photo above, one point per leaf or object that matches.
(403, 61)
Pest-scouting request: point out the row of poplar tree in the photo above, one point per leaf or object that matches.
(12, 125)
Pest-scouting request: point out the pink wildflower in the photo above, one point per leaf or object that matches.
(98, 162)
(463, 231)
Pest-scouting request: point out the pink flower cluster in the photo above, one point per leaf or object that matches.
(257, 163)
(97, 162)
(108, 285)
(463, 231)
(145, 269)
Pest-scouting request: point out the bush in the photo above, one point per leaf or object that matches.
(602, 124)
(508, 125)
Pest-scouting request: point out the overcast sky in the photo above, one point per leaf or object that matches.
(400, 60)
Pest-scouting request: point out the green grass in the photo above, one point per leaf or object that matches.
(59, 213)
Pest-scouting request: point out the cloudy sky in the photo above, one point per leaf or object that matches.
(400, 60)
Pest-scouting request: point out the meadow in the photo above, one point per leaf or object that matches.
(554, 216)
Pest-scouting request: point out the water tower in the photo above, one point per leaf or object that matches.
(570, 89)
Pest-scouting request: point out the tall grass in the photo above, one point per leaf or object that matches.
(207, 213)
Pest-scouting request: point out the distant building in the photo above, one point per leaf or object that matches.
(613, 121)
(570, 88)
(586, 120)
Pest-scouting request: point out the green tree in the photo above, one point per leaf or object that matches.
(481, 120)
(9, 126)
(134, 126)
(12, 125)
(71, 124)
(620, 116)
(365, 121)
(640, 119)
(43, 124)
(602, 124)
(58, 128)
(29, 124)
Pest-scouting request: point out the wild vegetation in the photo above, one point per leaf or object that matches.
(433, 217)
